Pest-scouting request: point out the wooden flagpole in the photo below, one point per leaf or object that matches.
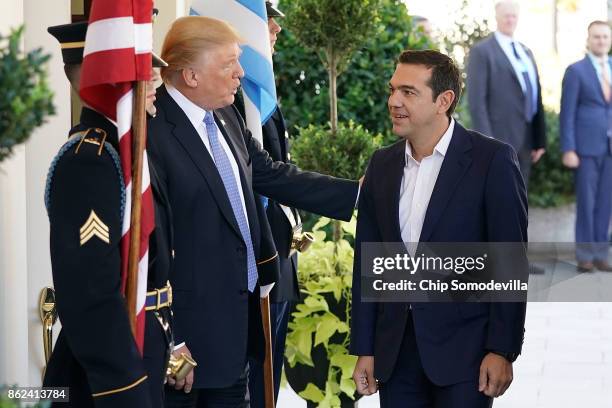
(138, 146)
(268, 362)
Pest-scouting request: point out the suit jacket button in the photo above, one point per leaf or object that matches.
(242, 292)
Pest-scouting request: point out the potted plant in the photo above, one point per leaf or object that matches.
(25, 97)
(318, 365)
(317, 362)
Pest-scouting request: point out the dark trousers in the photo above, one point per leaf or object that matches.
(279, 319)
(409, 386)
(593, 205)
(236, 396)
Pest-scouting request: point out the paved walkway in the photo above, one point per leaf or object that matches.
(566, 360)
(567, 356)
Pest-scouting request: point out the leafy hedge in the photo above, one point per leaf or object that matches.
(550, 183)
(25, 97)
(362, 88)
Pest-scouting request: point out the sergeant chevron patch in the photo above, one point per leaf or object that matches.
(94, 227)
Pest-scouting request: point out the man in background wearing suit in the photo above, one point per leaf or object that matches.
(503, 89)
(586, 132)
(441, 183)
(282, 221)
(212, 166)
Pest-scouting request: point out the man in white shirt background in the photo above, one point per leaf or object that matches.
(441, 184)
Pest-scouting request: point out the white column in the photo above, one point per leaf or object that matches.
(13, 264)
(40, 150)
(24, 228)
(169, 10)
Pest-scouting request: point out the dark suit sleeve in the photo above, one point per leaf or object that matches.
(87, 277)
(156, 131)
(539, 120)
(325, 195)
(506, 211)
(363, 314)
(268, 266)
(569, 104)
(477, 91)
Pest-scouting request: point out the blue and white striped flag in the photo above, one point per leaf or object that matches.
(250, 19)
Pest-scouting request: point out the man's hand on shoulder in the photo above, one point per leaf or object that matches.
(364, 376)
(186, 383)
(495, 375)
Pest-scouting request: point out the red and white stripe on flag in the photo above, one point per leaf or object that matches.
(118, 52)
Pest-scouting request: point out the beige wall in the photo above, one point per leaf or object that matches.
(169, 10)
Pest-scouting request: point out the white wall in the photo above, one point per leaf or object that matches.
(24, 228)
(40, 150)
(169, 10)
(13, 265)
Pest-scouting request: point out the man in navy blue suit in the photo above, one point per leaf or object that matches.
(441, 183)
(586, 129)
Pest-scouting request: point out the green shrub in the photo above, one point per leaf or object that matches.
(344, 155)
(25, 97)
(362, 87)
(551, 184)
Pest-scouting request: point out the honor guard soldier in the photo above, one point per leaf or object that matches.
(96, 355)
(286, 227)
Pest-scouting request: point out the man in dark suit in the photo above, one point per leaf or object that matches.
(95, 354)
(586, 135)
(283, 220)
(442, 183)
(212, 166)
(503, 89)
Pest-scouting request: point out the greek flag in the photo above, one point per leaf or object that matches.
(250, 19)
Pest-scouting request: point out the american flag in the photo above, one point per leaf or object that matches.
(118, 52)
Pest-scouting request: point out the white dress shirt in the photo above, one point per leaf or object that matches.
(524, 65)
(195, 114)
(418, 183)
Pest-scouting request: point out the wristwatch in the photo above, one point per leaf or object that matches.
(511, 357)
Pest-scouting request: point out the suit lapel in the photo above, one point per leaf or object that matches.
(190, 140)
(595, 80)
(391, 186)
(454, 166)
(501, 55)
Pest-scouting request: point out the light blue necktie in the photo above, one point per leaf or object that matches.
(231, 188)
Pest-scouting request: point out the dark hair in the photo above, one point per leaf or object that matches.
(597, 22)
(445, 74)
